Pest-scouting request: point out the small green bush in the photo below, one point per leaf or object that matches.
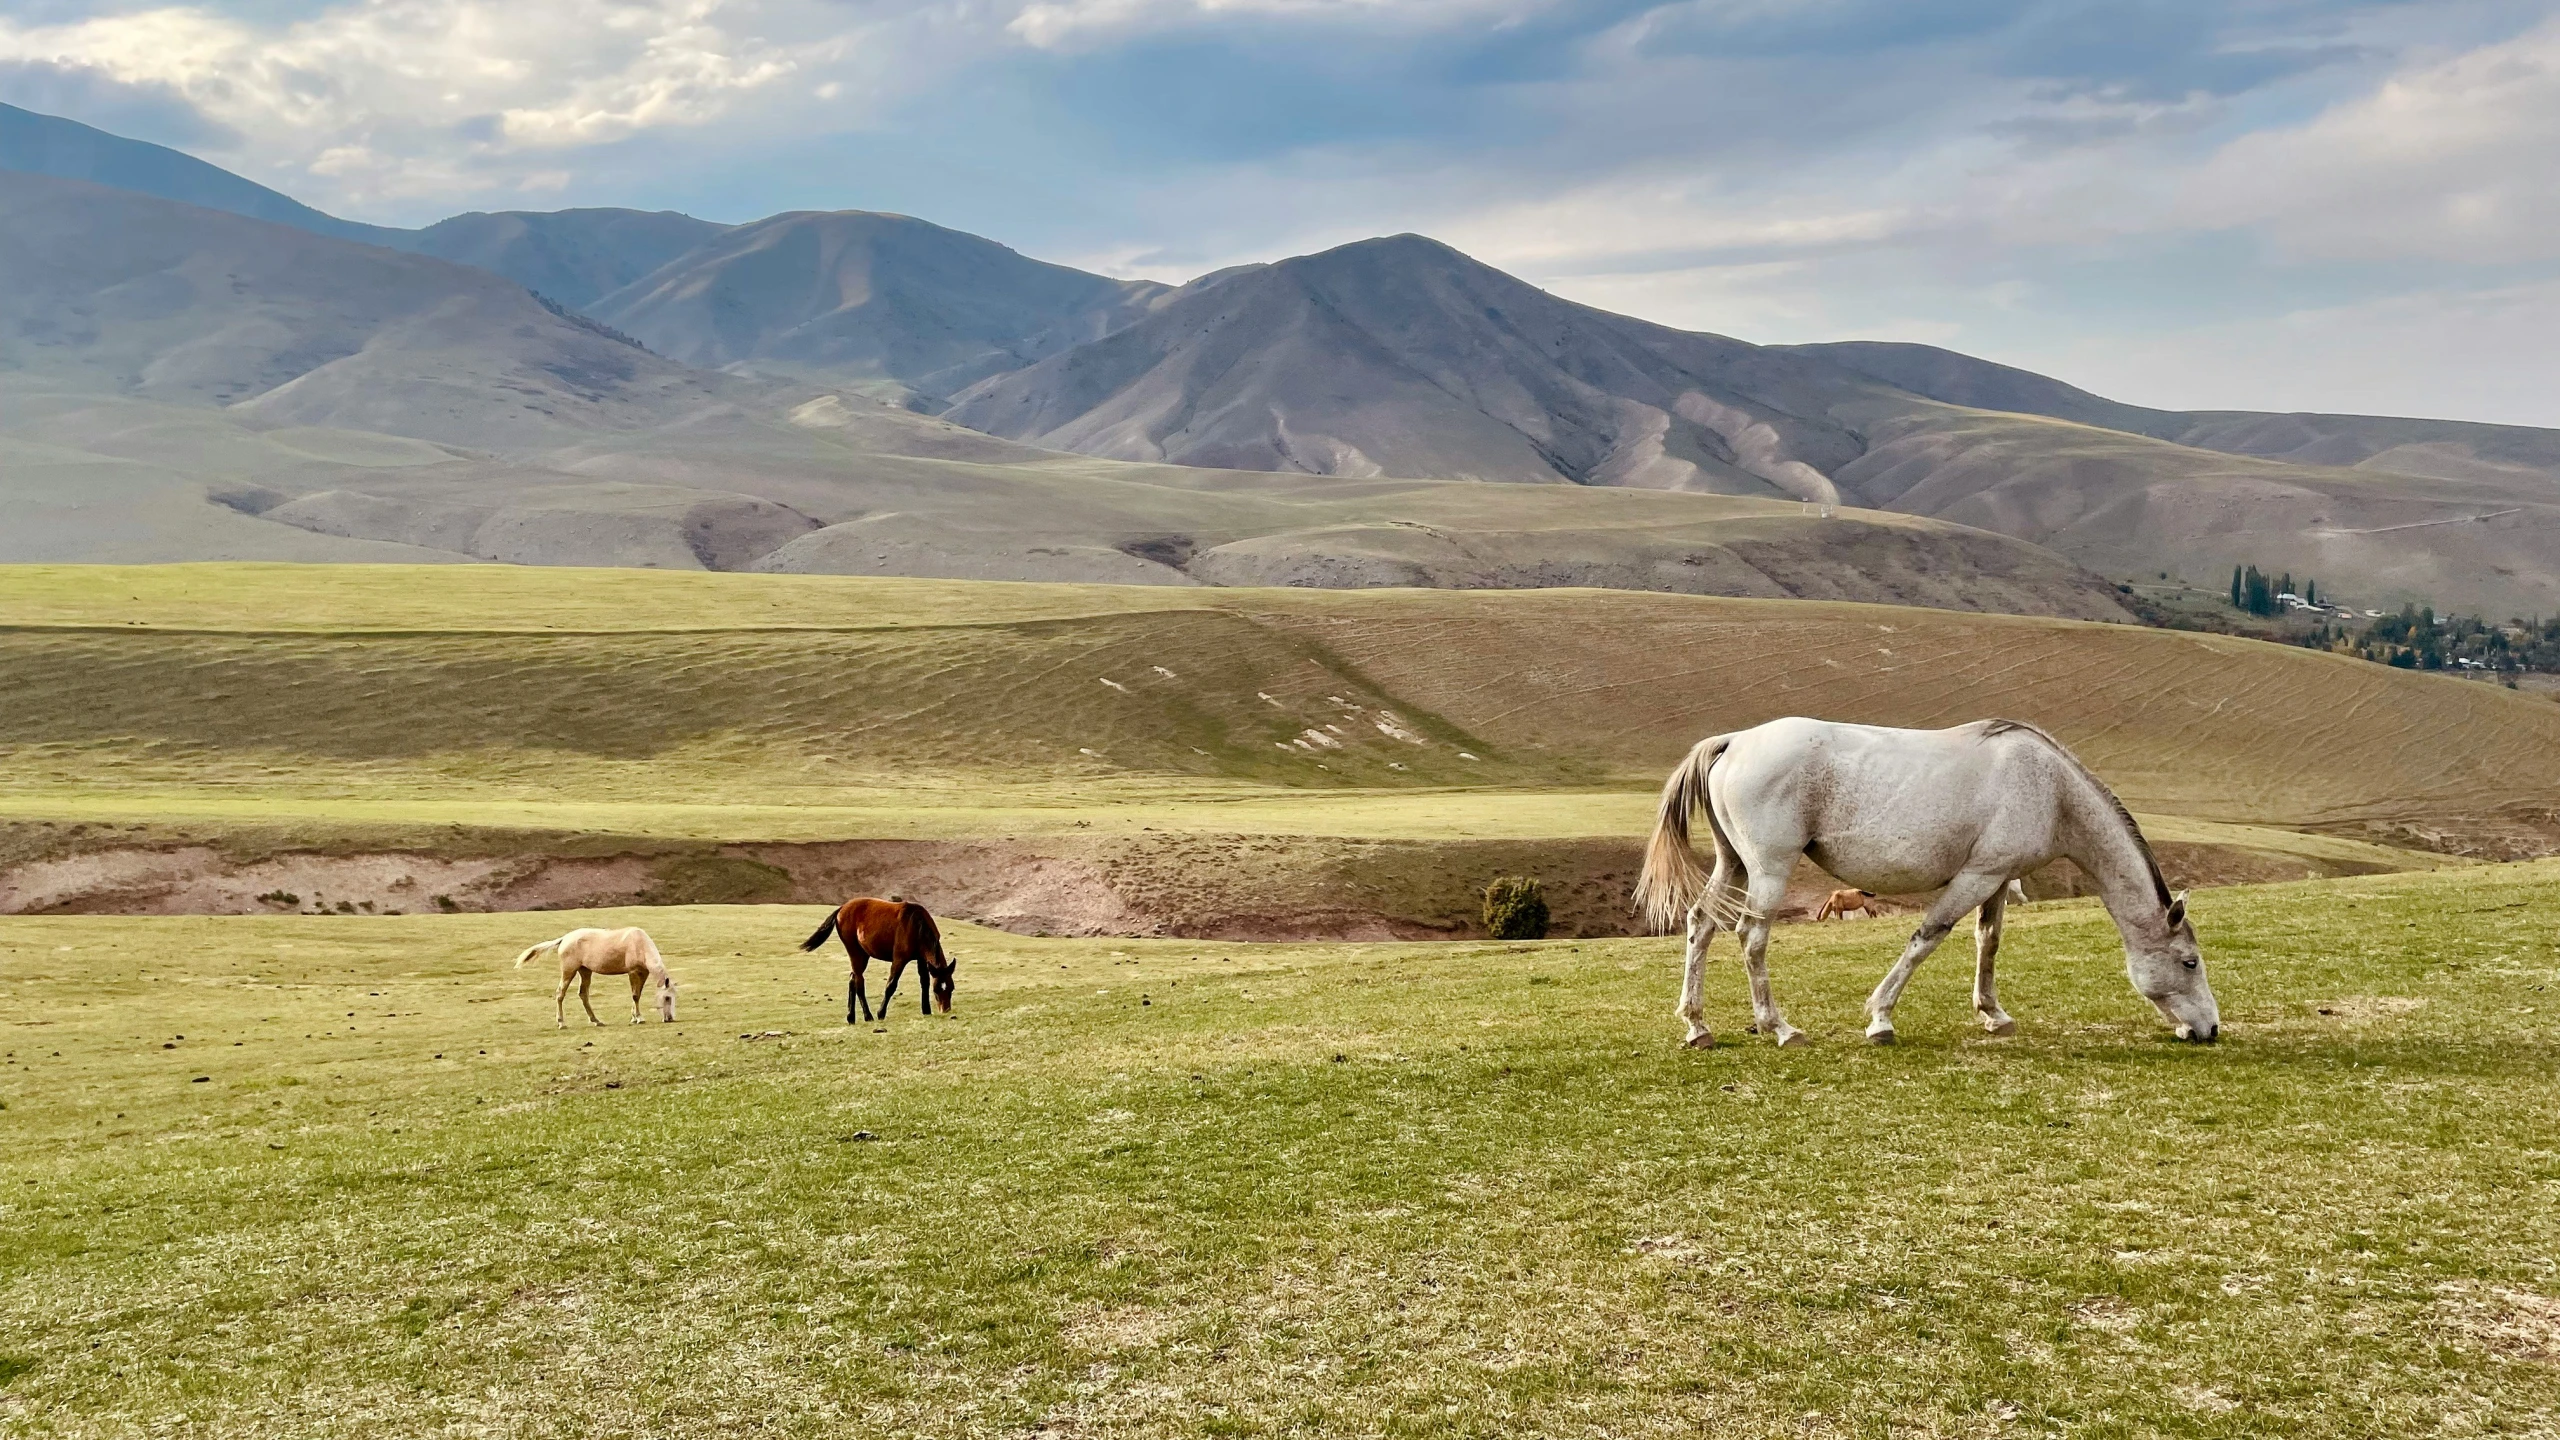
(1514, 909)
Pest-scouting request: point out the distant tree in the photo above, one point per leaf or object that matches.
(2236, 592)
(2257, 592)
(2311, 591)
(2285, 585)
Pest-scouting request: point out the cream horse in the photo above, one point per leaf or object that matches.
(585, 954)
(1899, 812)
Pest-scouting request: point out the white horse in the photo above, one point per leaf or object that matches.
(585, 954)
(1898, 812)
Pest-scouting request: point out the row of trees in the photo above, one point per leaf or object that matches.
(2414, 639)
(2254, 591)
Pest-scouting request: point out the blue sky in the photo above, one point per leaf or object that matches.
(2279, 204)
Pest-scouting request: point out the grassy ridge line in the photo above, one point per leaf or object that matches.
(1161, 1188)
(333, 598)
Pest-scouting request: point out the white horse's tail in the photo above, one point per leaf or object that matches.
(1672, 878)
(533, 950)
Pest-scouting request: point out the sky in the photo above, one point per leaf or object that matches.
(2233, 204)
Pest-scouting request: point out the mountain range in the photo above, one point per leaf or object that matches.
(645, 387)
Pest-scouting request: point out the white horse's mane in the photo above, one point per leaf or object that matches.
(2150, 861)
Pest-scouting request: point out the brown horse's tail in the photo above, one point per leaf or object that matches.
(1672, 877)
(825, 930)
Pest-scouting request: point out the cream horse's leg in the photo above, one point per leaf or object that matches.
(1986, 945)
(1968, 891)
(639, 983)
(560, 997)
(1767, 891)
(586, 978)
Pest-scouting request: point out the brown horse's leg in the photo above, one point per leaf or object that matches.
(898, 967)
(855, 992)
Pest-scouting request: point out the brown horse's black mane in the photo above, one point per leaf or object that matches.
(2151, 862)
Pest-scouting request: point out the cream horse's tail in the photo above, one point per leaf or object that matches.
(1672, 878)
(533, 950)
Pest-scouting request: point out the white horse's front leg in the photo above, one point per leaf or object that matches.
(1965, 892)
(1986, 945)
(1693, 978)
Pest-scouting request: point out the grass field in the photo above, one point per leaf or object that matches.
(343, 1176)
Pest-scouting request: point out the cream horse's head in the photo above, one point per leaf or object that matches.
(2167, 969)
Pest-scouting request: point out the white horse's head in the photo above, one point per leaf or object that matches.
(2167, 968)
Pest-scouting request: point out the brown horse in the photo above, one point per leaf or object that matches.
(896, 931)
(1844, 901)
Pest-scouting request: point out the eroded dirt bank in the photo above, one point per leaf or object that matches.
(1197, 886)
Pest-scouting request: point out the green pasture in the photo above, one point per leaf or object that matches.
(343, 1176)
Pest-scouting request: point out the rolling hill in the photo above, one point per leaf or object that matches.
(182, 384)
(907, 307)
(1389, 358)
(49, 145)
(1403, 357)
(122, 294)
(573, 257)
(1243, 762)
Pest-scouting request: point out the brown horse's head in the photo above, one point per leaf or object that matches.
(938, 971)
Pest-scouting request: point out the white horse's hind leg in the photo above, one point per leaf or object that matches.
(1966, 892)
(560, 1001)
(1986, 945)
(1693, 978)
(1765, 894)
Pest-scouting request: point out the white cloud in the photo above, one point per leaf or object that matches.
(1065, 24)
(391, 98)
(2452, 159)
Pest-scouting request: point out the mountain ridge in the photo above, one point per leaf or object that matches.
(1395, 356)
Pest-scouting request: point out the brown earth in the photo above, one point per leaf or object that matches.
(1211, 887)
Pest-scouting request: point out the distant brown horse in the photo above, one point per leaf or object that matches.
(896, 931)
(1844, 901)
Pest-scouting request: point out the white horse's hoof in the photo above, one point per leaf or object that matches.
(1789, 1036)
(2003, 1026)
(1703, 1040)
(1880, 1037)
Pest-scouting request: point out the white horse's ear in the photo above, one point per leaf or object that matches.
(2178, 908)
